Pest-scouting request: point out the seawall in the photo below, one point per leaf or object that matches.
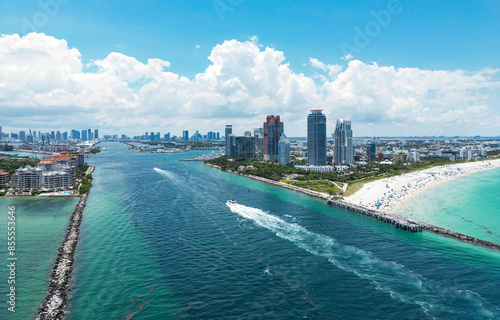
(54, 305)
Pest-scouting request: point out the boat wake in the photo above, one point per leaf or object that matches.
(400, 282)
(171, 176)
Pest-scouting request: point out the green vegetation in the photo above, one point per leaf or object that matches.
(95, 150)
(80, 173)
(35, 192)
(10, 166)
(85, 186)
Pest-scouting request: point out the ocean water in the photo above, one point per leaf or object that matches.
(162, 244)
(468, 205)
(38, 235)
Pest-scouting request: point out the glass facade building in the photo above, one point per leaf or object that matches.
(316, 138)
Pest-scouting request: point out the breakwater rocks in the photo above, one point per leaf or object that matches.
(459, 236)
(54, 305)
(396, 220)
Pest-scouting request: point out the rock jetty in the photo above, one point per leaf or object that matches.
(54, 305)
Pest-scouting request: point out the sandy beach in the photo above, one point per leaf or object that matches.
(387, 194)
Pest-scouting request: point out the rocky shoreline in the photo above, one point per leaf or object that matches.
(54, 305)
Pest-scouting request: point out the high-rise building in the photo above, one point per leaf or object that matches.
(273, 128)
(22, 135)
(52, 135)
(89, 134)
(84, 135)
(58, 135)
(152, 136)
(316, 138)
(284, 150)
(166, 136)
(228, 132)
(1, 134)
(185, 135)
(245, 147)
(343, 150)
(96, 134)
(218, 136)
(258, 133)
(371, 151)
(65, 135)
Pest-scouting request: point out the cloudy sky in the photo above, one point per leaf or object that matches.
(394, 67)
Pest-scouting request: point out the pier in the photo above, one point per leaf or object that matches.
(54, 305)
(396, 220)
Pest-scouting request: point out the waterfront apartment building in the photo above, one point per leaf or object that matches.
(4, 178)
(343, 150)
(284, 150)
(245, 147)
(273, 128)
(316, 138)
(227, 133)
(371, 151)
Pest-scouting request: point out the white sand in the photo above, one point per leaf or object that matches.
(386, 194)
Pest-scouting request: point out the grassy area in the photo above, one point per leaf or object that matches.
(316, 185)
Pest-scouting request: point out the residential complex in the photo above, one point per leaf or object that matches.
(54, 172)
(273, 128)
(343, 151)
(316, 138)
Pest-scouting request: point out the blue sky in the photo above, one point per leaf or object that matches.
(428, 35)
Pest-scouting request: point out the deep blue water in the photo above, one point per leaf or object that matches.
(162, 244)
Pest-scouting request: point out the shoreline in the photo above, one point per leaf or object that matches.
(55, 302)
(377, 214)
(389, 194)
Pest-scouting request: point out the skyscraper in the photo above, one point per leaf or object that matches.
(273, 128)
(227, 133)
(185, 135)
(284, 150)
(343, 150)
(371, 151)
(89, 134)
(1, 134)
(245, 147)
(316, 138)
(96, 134)
(22, 135)
(84, 135)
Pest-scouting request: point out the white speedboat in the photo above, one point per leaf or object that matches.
(231, 202)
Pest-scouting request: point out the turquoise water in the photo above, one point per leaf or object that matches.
(160, 244)
(163, 244)
(38, 235)
(468, 205)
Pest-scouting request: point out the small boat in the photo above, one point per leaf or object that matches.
(232, 201)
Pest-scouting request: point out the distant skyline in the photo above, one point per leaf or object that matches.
(396, 68)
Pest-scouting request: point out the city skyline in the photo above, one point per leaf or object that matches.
(367, 70)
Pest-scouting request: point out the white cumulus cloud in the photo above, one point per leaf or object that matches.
(43, 84)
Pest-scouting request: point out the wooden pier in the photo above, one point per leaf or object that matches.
(398, 221)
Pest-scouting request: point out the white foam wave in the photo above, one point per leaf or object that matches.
(400, 282)
(170, 175)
